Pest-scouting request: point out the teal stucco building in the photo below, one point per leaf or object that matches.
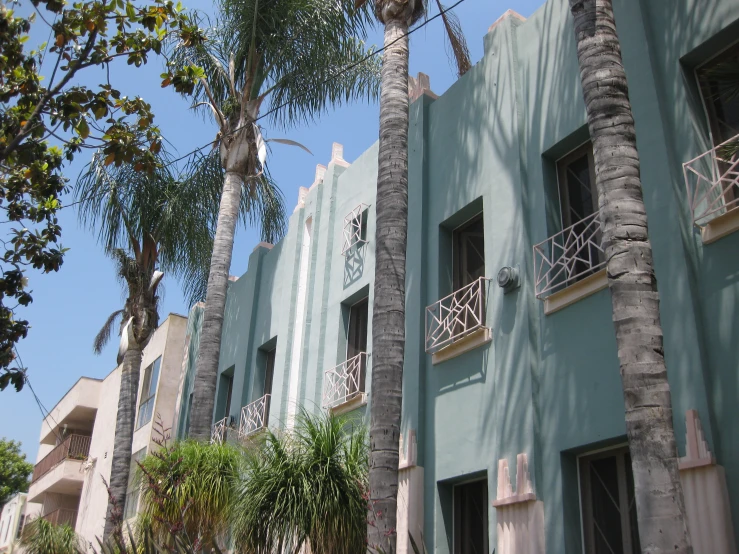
(513, 419)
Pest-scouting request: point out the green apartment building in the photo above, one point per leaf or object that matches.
(513, 416)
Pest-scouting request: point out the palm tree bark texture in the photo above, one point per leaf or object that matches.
(388, 317)
(659, 497)
(124, 424)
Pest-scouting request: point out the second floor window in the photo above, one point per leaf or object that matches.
(717, 80)
(469, 252)
(148, 393)
(357, 344)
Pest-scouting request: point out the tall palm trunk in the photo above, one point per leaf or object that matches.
(388, 317)
(206, 373)
(125, 420)
(659, 498)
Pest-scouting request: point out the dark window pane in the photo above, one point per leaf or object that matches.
(269, 371)
(580, 189)
(469, 252)
(471, 519)
(605, 498)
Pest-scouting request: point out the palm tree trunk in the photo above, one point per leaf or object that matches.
(388, 317)
(659, 497)
(125, 421)
(206, 372)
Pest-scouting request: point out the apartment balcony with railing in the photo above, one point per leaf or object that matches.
(344, 385)
(254, 416)
(62, 516)
(220, 430)
(712, 183)
(570, 264)
(59, 471)
(456, 323)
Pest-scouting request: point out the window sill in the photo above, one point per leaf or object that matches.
(720, 226)
(477, 338)
(576, 292)
(352, 404)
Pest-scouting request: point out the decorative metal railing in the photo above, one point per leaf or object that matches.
(62, 516)
(353, 228)
(254, 416)
(74, 447)
(219, 433)
(569, 256)
(456, 315)
(345, 381)
(712, 181)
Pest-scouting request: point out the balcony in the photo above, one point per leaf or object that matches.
(712, 182)
(573, 256)
(254, 416)
(59, 471)
(355, 229)
(456, 323)
(62, 516)
(219, 432)
(343, 385)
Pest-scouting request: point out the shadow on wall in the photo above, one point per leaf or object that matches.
(354, 264)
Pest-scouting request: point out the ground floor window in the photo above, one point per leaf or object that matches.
(471, 517)
(608, 504)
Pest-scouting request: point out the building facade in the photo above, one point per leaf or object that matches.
(12, 517)
(513, 417)
(76, 444)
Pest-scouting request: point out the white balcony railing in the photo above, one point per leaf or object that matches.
(345, 381)
(354, 226)
(220, 430)
(570, 255)
(712, 180)
(254, 416)
(456, 315)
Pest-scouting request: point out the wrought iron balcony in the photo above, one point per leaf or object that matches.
(712, 181)
(569, 256)
(345, 381)
(456, 316)
(74, 447)
(354, 229)
(219, 433)
(254, 416)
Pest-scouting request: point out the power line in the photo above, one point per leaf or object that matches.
(40, 405)
(330, 78)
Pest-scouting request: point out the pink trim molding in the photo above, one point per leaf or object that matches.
(524, 489)
(697, 453)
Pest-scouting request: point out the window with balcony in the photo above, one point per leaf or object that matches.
(471, 518)
(608, 504)
(355, 229)
(255, 415)
(460, 314)
(148, 393)
(346, 381)
(712, 179)
(133, 490)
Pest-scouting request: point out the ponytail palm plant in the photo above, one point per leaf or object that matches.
(304, 487)
(388, 317)
(294, 57)
(151, 223)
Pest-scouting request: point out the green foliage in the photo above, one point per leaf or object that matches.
(34, 110)
(43, 537)
(305, 485)
(14, 470)
(187, 491)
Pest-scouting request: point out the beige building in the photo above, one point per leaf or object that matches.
(76, 441)
(11, 523)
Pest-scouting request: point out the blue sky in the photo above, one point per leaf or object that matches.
(70, 306)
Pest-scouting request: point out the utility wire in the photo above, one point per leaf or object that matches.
(330, 78)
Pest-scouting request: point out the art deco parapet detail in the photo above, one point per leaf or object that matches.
(254, 416)
(455, 316)
(354, 229)
(712, 182)
(345, 382)
(569, 256)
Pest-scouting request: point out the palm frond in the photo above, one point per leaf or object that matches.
(456, 43)
(103, 336)
(42, 537)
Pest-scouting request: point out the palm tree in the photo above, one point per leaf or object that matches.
(388, 316)
(306, 486)
(190, 483)
(659, 498)
(149, 222)
(288, 53)
(43, 537)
